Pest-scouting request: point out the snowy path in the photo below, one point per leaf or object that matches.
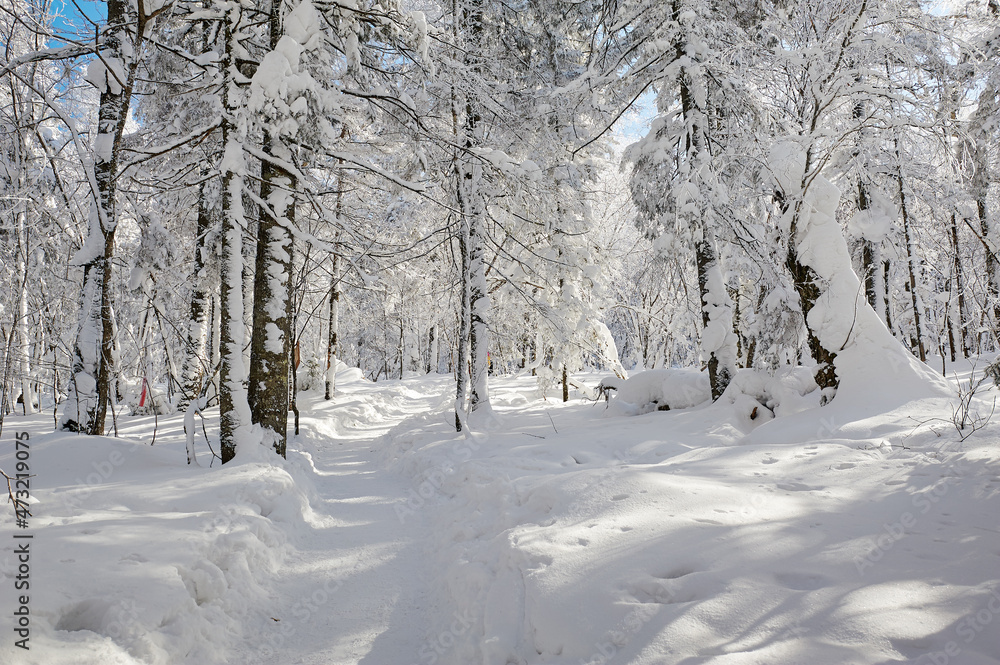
(569, 535)
(353, 589)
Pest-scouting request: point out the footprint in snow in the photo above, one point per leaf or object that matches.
(135, 557)
(675, 573)
(801, 581)
(651, 592)
(796, 487)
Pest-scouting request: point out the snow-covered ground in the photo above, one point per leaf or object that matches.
(864, 532)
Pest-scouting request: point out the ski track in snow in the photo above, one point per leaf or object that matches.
(353, 591)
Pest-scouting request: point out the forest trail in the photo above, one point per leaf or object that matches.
(571, 533)
(352, 591)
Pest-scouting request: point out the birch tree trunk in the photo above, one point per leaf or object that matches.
(963, 317)
(479, 302)
(473, 209)
(195, 357)
(984, 120)
(432, 350)
(334, 330)
(93, 350)
(196, 365)
(24, 355)
(464, 318)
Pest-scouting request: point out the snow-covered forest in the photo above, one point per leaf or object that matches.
(413, 303)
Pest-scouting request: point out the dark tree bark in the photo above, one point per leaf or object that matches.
(270, 344)
(706, 261)
(331, 342)
(805, 280)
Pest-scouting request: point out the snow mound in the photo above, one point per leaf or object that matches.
(657, 389)
(760, 396)
(142, 559)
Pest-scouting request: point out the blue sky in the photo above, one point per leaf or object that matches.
(70, 19)
(634, 123)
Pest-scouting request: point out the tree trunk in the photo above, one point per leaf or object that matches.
(718, 339)
(464, 317)
(475, 217)
(93, 357)
(24, 355)
(196, 364)
(871, 263)
(270, 341)
(432, 350)
(270, 345)
(959, 287)
(714, 318)
(331, 341)
(195, 358)
(992, 262)
(479, 303)
(805, 280)
(235, 422)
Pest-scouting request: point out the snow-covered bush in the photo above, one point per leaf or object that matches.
(657, 389)
(311, 374)
(760, 396)
(145, 402)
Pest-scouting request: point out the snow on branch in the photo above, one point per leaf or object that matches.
(61, 53)
(195, 137)
(416, 187)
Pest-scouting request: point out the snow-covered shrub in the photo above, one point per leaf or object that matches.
(760, 396)
(311, 374)
(154, 401)
(658, 389)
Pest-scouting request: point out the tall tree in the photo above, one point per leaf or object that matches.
(113, 73)
(678, 183)
(236, 424)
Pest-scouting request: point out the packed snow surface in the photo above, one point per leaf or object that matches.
(860, 533)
